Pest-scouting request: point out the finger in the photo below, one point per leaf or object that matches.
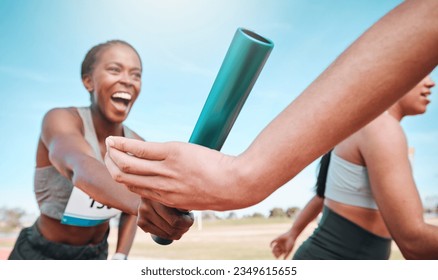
(167, 199)
(138, 148)
(175, 217)
(112, 168)
(148, 218)
(132, 181)
(127, 163)
(287, 252)
(145, 186)
(147, 226)
(148, 215)
(273, 243)
(118, 175)
(157, 188)
(115, 171)
(277, 252)
(146, 193)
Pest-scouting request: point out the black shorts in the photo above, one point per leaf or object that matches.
(337, 238)
(31, 245)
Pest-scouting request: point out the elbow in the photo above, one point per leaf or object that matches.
(411, 244)
(408, 250)
(77, 180)
(65, 171)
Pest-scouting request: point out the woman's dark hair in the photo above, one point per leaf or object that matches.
(322, 174)
(92, 55)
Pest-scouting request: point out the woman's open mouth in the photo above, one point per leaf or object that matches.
(121, 100)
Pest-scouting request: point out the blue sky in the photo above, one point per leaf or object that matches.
(182, 45)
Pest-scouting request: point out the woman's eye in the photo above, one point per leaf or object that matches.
(136, 75)
(114, 69)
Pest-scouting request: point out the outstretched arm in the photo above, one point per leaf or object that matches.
(375, 71)
(73, 157)
(283, 244)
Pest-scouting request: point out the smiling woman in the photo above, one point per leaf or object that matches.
(76, 194)
(119, 75)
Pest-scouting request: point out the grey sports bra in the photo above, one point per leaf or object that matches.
(349, 183)
(52, 190)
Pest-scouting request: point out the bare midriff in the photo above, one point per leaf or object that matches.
(368, 219)
(54, 231)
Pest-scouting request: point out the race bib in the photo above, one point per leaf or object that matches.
(84, 211)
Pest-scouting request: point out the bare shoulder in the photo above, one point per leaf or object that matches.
(62, 113)
(384, 134)
(383, 127)
(62, 119)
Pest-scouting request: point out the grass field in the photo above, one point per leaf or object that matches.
(242, 239)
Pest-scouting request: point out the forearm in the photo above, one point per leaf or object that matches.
(307, 215)
(421, 243)
(92, 177)
(365, 80)
(126, 235)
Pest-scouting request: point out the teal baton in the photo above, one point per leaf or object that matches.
(240, 69)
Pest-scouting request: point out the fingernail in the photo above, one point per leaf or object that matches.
(109, 141)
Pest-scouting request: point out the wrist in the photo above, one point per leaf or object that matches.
(119, 256)
(243, 180)
(252, 181)
(293, 234)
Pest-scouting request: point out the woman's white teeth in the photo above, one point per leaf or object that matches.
(122, 95)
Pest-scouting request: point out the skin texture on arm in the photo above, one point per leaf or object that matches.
(126, 233)
(73, 157)
(394, 189)
(374, 72)
(283, 244)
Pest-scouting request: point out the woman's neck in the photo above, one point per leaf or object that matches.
(103, 127)
(396, 112)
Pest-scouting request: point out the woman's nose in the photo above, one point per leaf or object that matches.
(429, 82)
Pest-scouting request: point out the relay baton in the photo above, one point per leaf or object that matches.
(240, 69)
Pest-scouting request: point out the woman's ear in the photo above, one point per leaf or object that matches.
(88, 83)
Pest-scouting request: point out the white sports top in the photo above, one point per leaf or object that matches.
(348, 183)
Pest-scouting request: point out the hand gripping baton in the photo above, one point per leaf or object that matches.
(240, 69)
